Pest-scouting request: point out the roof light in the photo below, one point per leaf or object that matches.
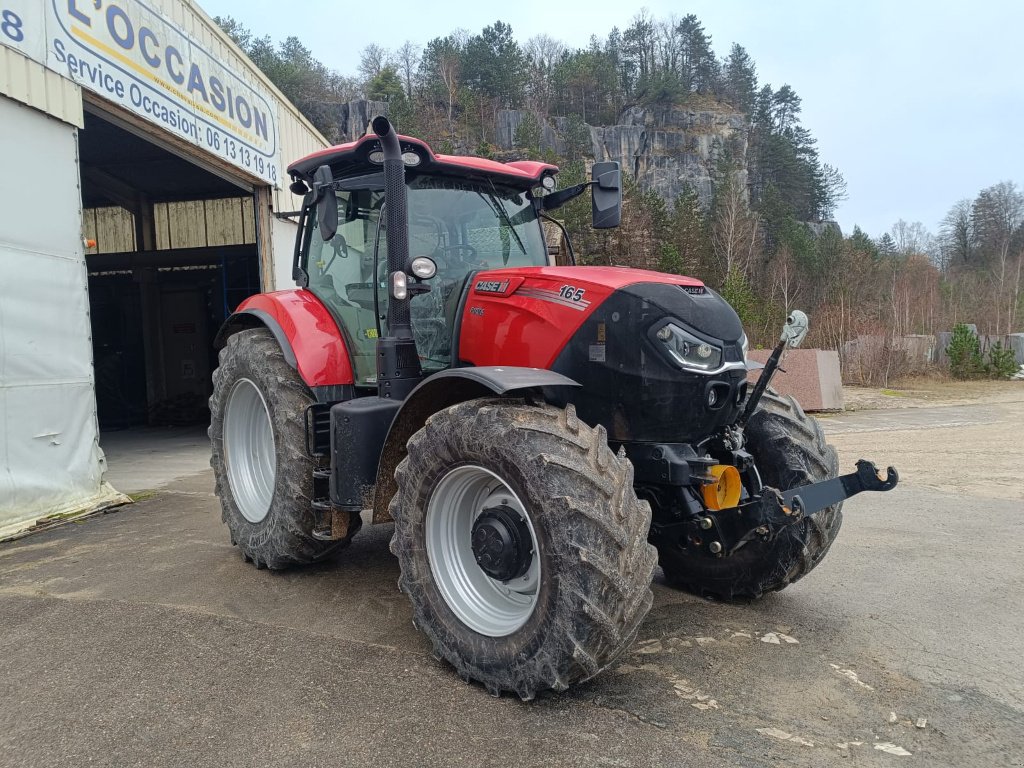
(377, 156)
(411, 158)
(548, 182)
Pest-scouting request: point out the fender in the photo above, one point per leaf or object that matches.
(309, 337)
(444, 389)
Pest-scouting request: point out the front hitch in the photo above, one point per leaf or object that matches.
(764, 517)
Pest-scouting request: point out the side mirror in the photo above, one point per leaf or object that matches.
(607, 195)
(795, 329)
(326, 202)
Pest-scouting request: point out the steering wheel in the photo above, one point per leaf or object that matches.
(340, 247)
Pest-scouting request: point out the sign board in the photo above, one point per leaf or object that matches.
(131, 54)
(21, 27)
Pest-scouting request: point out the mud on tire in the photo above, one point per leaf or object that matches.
(789, 450)
(591, 531)
(284, 536)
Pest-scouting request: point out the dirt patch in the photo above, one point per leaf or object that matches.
(957, 437)
(926, 393)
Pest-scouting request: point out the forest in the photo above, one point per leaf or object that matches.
(767, 247)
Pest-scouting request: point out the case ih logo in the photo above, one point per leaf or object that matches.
(492, 286)
(695, 290)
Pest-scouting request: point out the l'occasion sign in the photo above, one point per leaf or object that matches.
(129, 53)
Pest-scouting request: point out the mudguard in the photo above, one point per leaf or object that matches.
(441, 391)
(305, 329)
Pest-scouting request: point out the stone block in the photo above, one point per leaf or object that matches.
(811, 376)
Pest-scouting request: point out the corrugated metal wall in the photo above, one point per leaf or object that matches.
(31, 83)
(190, 224)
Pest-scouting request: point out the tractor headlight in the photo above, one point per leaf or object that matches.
(689, 351)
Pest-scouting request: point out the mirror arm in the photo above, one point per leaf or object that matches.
(557, 199)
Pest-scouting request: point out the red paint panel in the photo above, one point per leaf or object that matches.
(531, 326)
(523, 328)
(320, 352)
(522, 170)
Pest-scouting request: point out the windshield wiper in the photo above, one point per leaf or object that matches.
(498, 208)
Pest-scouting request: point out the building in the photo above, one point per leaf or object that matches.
(145, 197)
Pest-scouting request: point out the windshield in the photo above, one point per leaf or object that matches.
(463, 226)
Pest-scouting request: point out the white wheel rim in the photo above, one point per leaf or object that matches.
(485, 605)
(249, 450)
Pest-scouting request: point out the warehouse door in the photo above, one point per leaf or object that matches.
(172, 249)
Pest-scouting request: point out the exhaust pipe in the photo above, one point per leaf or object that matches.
(398, 362)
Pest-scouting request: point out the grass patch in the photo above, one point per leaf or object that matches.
(894, 393)
(142, 495)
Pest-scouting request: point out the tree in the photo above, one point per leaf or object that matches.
(829, 189)
(998, 219)
(957, 236)
(734, 232)
(529, 133)
(441, 66)
(740, 80)
(386, 85)
(496, 65)
(407, 59)
(690, 246)
(698, 65)
(638, 51)
(542, 53)
(372, 60)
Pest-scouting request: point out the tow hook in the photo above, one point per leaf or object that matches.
(765, 516)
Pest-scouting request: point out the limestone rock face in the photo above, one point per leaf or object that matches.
(349, 121)
(666, 149)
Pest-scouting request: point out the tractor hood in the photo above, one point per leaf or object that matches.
(640, 343)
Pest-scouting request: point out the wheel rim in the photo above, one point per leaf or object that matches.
(486, 605)
(249, 450)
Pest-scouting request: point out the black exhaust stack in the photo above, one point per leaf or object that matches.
(398, 362)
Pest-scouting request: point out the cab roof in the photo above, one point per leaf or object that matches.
(354, 157)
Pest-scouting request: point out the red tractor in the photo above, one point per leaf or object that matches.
(541, 436)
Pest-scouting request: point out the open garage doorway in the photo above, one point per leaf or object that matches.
(172, 250)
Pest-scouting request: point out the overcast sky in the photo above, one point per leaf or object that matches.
(919, 104)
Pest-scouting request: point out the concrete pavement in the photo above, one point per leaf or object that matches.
(141, 638)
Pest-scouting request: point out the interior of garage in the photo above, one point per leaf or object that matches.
(172, 250)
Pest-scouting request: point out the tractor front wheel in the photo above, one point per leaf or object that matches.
(263, 473)
(522, 545)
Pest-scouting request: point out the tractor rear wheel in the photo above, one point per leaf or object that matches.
(789, 450)
(522, 545)
(264, 475)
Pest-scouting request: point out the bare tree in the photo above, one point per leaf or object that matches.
(372, 60)
(408, 59)
(734, 230)
(998, 216)
(957, 236)
(543, 52)
(669, 44)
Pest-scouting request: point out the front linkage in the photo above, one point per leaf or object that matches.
(721, 533)
(766, 514)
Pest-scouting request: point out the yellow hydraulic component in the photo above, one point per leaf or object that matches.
(724, 492)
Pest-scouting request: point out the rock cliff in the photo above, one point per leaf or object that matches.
(666, 149)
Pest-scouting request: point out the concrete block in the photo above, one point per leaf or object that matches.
(1015, 341)
(811, 376)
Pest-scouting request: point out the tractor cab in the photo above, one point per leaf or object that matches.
(463, 225)
(459, 216)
